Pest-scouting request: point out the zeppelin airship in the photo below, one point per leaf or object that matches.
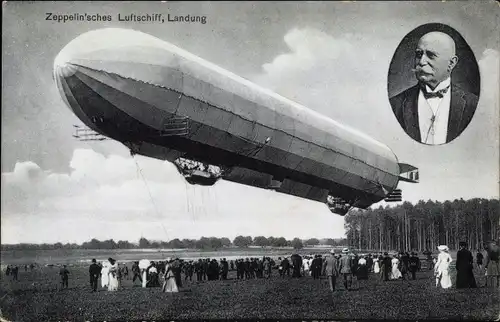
(163, 102)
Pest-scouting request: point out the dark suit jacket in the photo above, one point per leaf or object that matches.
(462, 107)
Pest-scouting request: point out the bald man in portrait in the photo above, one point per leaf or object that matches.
(435, 111)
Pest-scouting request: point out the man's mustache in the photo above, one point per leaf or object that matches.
(421, 70)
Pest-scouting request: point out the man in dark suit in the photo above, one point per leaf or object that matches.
(464, 265)
(387, 266)
(94, 271)
(414, 265)
(435, 111)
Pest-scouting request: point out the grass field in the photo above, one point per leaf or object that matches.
(35, 297)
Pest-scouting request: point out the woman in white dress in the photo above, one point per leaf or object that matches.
(113, 275)
(169, 285)
(143, 266)
(305, 267)
(104, 274)
(376, 265)
(395, 273)
(442, 267)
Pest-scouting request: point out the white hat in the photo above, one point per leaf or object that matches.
(443, 248)
(332, 251)
(345, 250)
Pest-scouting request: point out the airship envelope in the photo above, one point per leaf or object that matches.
(164, 102)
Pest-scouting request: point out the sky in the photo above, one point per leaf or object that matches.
(332, 57)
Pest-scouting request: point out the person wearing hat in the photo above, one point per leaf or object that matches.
(316, 266)
(330, 269)
(492, 265)
(442, 267)
(414, 265)
(464, 265)
(94, 272)
(345, 268)
(169, 284)
(386, 267)
(376, 265)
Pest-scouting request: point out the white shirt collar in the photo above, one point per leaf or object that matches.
(441, 86)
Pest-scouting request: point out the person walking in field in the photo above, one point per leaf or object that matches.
(403, 264)
(267, 268)
(442, 267)
(479, 259)
(465, 265)
(414, 265)
(492, 265)
(169, 285)
(94, 272)
(125, 271)
(369, 263)
(64, 273)
(286, 267)
(386, 267)
(137, 272)
(395, 272)
(345, 268)
(362, 269)
(330, 269)
(376, 265)
(14, 271)
(113, 277)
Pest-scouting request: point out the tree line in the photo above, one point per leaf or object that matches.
(205, 243)
(425, 225)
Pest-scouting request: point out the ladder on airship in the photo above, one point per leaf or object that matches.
(175, 126)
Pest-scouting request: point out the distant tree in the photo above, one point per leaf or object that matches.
(297, 243)
(249, 240)
(123, 244)
(215, 243)
(203, 243)
(330, 242)
(225, 242)
(144, 243)
(241, 241)
(260, 241)
(271, 241)
(189, 243)
(280, 242)
(312, 242)
(176, 243)
(108, 244)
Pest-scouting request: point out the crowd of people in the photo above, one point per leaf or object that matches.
(13, 270)
(345, 265)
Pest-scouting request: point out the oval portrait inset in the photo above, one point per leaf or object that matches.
(433, 84)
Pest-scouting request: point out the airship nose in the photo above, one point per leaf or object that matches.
(63, 66)
(97, 75)
(69, 70)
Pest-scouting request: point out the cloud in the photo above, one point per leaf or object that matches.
(341, 77)
(345, 78)
(115, 197)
